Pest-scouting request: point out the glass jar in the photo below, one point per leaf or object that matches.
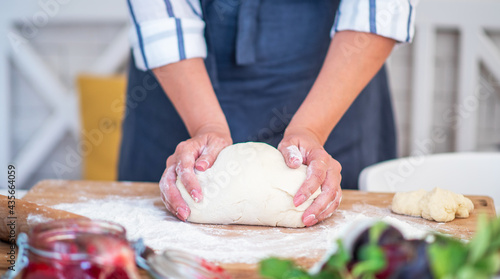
(78, 249)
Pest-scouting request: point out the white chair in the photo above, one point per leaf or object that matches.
(465, 173)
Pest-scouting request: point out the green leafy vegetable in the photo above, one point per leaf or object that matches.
(372, 261)
(448, 258)
(275, 268)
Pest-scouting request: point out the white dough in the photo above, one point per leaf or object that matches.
(465, 206)
(437, 205)
(249, 183)
(408, 203)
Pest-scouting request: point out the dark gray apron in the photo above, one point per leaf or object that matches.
(263, 57)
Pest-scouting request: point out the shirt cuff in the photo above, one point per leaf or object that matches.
(393, 19)
(161, 42)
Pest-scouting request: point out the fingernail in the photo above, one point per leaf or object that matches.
(310, 220)
(298, 200)
(295, 162)
(202, 165)
(183, 213)
(197, 197)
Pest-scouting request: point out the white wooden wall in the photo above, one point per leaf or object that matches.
(472, 20)
(48, 44)
(455, 55)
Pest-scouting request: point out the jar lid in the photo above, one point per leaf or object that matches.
(175, 264)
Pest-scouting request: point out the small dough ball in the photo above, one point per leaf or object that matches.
(439, 205)
(249, 184)
(407, 203)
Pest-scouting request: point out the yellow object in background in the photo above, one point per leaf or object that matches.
(102, 104)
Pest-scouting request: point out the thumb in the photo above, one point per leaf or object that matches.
(207, 157)
(292, 155)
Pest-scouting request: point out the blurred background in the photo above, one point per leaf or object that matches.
(62, 84)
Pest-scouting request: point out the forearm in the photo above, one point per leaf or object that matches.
(188, 87)
(347, 69)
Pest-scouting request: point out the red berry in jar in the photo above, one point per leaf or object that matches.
(79, 249)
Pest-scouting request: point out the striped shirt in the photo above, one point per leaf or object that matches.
(167, 31)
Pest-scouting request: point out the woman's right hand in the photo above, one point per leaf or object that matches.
(188, 87)
(197, 152)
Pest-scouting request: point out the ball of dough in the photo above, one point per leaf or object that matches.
(250, 184)
(437, 205)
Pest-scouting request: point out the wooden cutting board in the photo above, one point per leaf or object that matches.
(52, 192)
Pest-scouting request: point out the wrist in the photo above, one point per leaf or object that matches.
(309, 123)
(305, 133)
(220, 129)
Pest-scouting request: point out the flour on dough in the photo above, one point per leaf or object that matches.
(437, 205)
(250, 184)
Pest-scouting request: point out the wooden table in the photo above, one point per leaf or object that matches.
(51, 192)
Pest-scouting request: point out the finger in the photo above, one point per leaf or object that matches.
(292, 155)
(328, 201)
(311, 215)
(315, 175)
(185, 171)
(171, 196)
(207, 157)
(331, 207)
(163, 190)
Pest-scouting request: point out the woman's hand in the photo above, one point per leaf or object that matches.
(198, 152)
(338, 84)
(188, 87)
(303, 147)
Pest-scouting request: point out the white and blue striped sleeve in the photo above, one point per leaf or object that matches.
(393, 19)
(166, 31)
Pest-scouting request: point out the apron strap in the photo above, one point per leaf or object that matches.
(246, 38)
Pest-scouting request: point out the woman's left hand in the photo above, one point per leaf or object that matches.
(322, 171)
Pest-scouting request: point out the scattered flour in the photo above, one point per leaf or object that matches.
(228, 244)
(34, 219)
